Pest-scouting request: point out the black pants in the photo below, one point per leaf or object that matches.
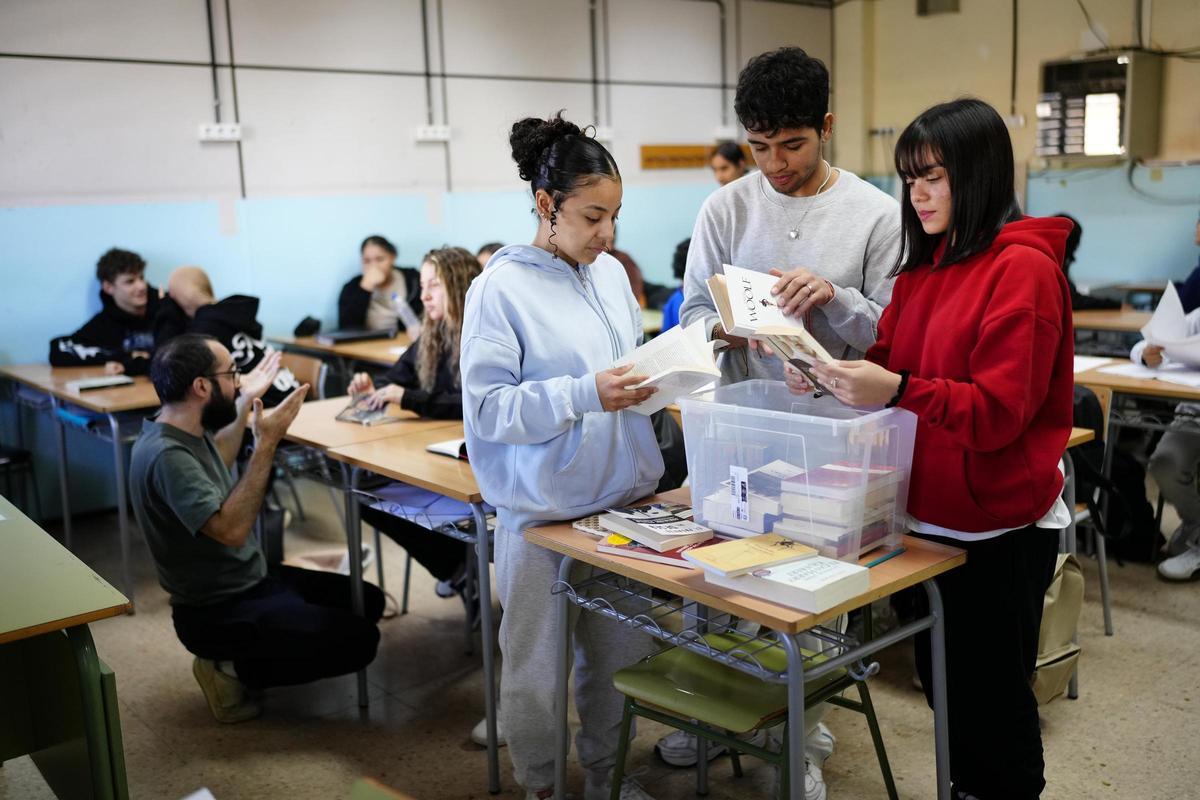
(993, 607)
(442, 556)
(294, 626)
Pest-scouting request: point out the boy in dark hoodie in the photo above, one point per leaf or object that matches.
(121, 336)
(191, 307)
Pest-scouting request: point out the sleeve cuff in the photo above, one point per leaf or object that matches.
(840, 309)
(584, 396)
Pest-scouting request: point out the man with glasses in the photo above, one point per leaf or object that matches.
(249, 629)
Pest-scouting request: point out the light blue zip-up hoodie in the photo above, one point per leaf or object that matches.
(535, 333)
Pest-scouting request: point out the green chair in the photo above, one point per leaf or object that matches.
(676, 686)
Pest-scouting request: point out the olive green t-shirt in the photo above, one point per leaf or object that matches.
(177, 481)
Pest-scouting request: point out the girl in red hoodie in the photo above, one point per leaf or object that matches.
(977, 342)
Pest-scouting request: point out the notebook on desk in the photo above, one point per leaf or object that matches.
(353, 335)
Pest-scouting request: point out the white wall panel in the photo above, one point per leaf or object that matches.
(661, 115)
(346, 34)
(83, 132)
(482, 113)
(767, 26)
(321, 133)
(664, 40)
(532, 38)
(175, 30)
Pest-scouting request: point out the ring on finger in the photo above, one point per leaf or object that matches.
(833, 383)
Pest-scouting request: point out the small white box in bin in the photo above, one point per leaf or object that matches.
(812, 469)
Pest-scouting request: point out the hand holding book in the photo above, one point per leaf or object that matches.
(617, 388)
(858, 383)
(799, 290)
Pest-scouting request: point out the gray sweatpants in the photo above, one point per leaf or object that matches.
(529, 643)
(1174, 466)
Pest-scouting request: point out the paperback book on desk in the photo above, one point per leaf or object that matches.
(659, 526)
(813, 584)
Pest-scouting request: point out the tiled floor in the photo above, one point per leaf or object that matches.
(1132, 734)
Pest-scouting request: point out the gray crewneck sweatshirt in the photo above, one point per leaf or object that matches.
(849, 235)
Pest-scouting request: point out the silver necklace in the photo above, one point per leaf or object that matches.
(794, 233)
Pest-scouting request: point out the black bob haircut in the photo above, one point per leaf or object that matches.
(785, 88)
(968, 139)
(179, 362)
(378, 241)
(731, 152)
(118, 262)
(679, 260)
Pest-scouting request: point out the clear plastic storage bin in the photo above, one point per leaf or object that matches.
(762, 459)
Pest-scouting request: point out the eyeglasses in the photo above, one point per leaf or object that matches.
(234, 374)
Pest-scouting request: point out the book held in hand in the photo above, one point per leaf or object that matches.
(812, 584)
(677, 362)
(659, 526)
(739, 556)
(747, 308)
(358, 411)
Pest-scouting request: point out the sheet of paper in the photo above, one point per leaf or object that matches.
(1168, 329)
(1084, 363)
(1171, 373)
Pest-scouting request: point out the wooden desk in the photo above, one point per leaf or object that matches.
(1080, 436)
(317, 425)
(381, 352)
(1137, 387)
(404, 458)
(652, 321)
(920, 563)
(140, 396)
(1123, 320)
(59, 700)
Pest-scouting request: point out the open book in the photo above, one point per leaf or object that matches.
(1168, 329)
(678, 361)
(747, 308)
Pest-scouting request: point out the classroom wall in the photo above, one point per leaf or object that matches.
(100, 104)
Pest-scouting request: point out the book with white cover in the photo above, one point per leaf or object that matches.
(659, 526)
(678, 361)
(99, 382)
(719, 512)
(746, 307)
(454, 448)
(812, 584)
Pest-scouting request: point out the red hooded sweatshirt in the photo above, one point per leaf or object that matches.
(989, 347)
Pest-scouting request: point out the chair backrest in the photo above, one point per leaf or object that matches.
(1104, 395)
(307, 370)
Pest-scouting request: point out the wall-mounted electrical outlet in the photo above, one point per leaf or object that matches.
(220, 132)
(432, 133)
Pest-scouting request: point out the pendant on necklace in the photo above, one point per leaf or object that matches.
(793, 234)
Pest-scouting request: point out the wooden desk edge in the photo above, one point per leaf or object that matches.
(63, 624)
(339, 454)
(727, 600)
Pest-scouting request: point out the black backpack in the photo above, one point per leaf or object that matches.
(1129, 526)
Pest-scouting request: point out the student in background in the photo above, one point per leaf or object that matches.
(549, 439)
(190, 307)
(670, 309)
(384, 296)
(728, 163)
(426, 380)
(977, 342)
(637, 284)
(121, 336)
(1189, 290)
(1080, 302)
(248, 629)
(484, 253)
(1175, 465)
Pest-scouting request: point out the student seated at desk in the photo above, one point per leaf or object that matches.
(487, 251)
(1079, 301)
(190, 307)
(1189, 290)
(249, 629)
(549, 440)
(426, 380)
(977, 343)
(121, 336)
(1175, 465)
(384, 296)
(670, 308)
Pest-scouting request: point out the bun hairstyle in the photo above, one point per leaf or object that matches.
(556, 156)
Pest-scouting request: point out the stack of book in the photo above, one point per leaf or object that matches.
(775, 568)
(659, 532)
(835, 507)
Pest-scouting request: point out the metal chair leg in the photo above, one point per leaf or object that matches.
(1105, 599)
(877, 738)
(379, 562)
(290, 480)
(618, 771)
(407, 583)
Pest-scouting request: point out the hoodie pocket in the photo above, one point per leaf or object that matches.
(1000, 485)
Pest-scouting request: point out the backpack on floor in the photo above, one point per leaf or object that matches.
(1057, 655)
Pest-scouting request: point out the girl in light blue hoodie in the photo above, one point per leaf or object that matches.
(549, 439)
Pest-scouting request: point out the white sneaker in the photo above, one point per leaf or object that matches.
(814, 782)
(1183, 567)
(678, 748)
(819, 746)
(630, 788)
(479, 733)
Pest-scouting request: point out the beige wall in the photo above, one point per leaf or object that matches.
(891, 64)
